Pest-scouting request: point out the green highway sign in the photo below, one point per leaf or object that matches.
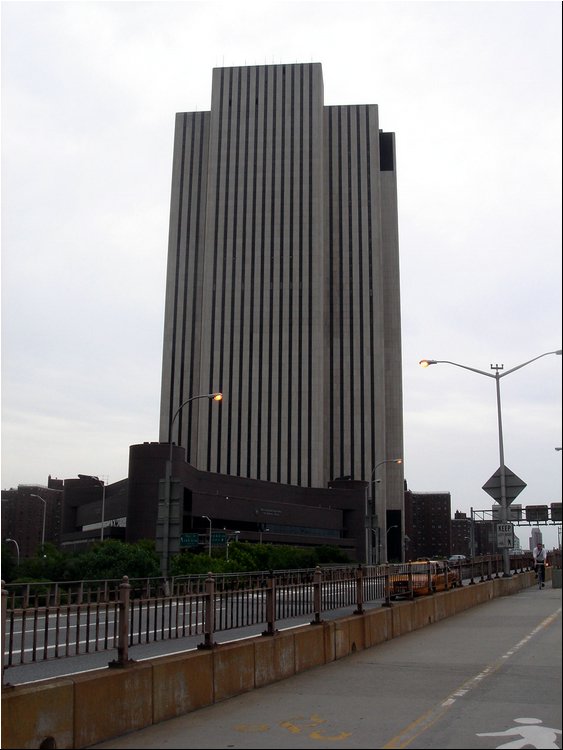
(218, 537)
(189, 540)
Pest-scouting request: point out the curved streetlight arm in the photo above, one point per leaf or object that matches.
(507, 372)
(428, 362)
(386, 461)
(17, 547)
(211, 396)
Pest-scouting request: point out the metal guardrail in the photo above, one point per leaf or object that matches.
(48, 593)
(55, 620)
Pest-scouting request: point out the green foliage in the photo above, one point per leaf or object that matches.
(248, 557)
(112, 559)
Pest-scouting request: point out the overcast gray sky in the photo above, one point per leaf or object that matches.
(472, 91)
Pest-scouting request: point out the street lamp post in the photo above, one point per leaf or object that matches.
(210, 529)
(44, 514)
(372, 518)
(497, 376)
(262, 530)
(17, 548)
(235, 534)
(216, 396)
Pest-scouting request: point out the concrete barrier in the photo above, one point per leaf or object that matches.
(79, 711)
(181, 683)
(274, 658)
(110, 702)
(34, 713)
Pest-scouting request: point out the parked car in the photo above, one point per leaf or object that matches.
(423, 577)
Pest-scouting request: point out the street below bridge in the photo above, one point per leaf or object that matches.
(35, 671)
(490, 677)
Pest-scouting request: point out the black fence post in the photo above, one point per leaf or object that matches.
(387, 584)
(411, 582)
(431, 583)
(317, 579)
(209, 626)
(483, 576)
(123, 659)
(359, 590)
(460, 573)
(270, 604)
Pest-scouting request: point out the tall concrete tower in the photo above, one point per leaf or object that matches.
(283, 285)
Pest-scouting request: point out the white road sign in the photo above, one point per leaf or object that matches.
(505, 536)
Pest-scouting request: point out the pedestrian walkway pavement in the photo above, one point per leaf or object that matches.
(486, 678)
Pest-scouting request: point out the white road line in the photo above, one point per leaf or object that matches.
(424, 722)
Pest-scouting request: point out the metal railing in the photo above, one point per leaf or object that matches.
(53, 620)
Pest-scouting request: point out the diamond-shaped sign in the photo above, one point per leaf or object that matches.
(514, 485)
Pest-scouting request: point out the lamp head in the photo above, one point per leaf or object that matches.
(216, 396)
(427, 362)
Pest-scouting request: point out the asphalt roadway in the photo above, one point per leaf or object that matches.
(490, 677)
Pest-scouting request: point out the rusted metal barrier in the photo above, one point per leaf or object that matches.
(128, 617)
(359, 591)
(317, 580)
(270, 605)
(387, 602)
(209, 627)
(123, 625)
